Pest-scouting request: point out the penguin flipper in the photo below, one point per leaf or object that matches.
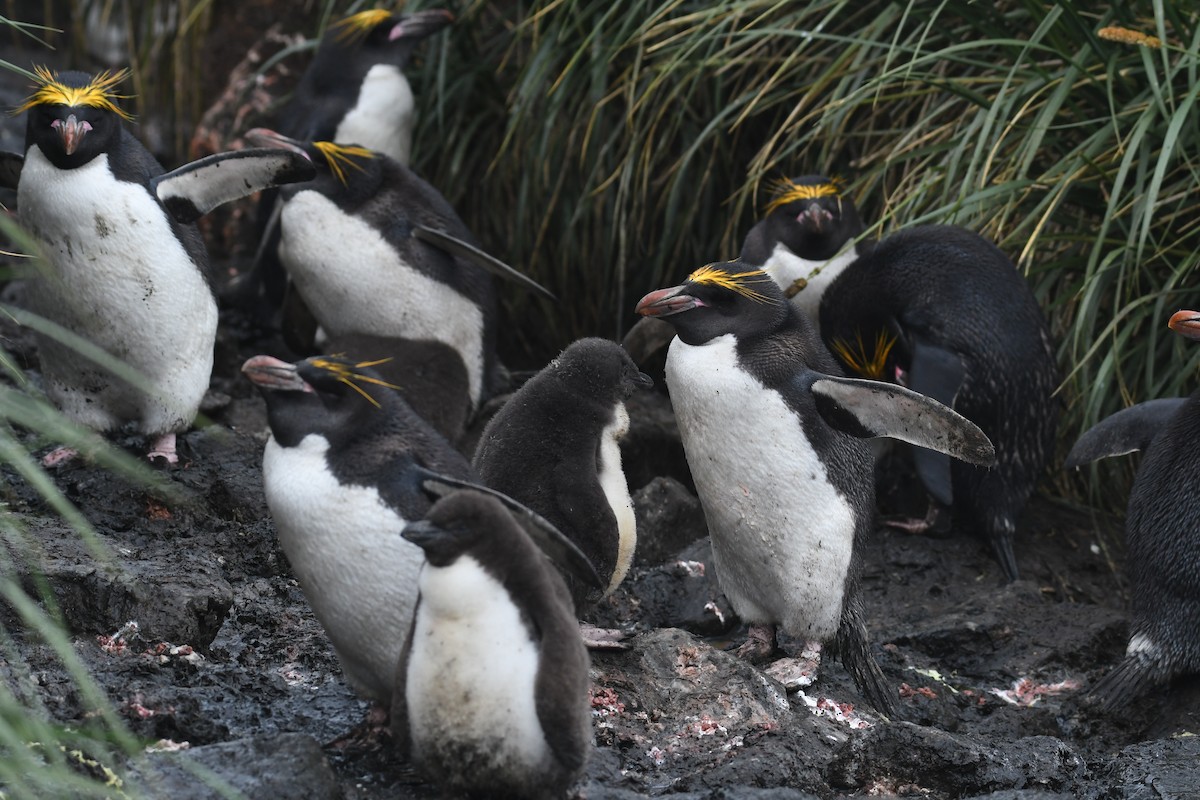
(10, 170)
(938, 373)
(1126, 431)
(196, 188)
(457, 247)
(399, 709)
(549, 539)
(867, 409)
(559, 704)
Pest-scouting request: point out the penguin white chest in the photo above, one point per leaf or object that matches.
(471, 674)
(356, 282)
(786, 268)
(382, 116)
(616, 490)
(782, 534)
(344, 545)
(119, 277)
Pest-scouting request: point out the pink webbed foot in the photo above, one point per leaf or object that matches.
(799, 672)
(164, 448)
(59, 456)
(759, 644)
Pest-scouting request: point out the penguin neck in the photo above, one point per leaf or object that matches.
(805, 280)
(382, 116)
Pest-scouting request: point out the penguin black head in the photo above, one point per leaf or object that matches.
(317, 395)
(600, 369)
(378, 36)
(721, 298)
(810, 217)
(344, 171)
(73, 116)
(457, 524)
(1186, 324)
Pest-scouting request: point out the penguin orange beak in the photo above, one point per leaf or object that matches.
(1186, 324)
(420, 24)
(271, 373)
(265, 137)
(815, 217)
(665, 302)
(72, 132)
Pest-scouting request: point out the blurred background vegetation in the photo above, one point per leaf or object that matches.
(607, 149)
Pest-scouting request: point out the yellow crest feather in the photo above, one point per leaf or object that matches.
(738, 282)
(339, 155)
(869, 365)
(346, 374)
(98, 93)
(359, 25)
(787, 191)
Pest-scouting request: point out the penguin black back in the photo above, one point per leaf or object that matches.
(944, 311)
(553, 446)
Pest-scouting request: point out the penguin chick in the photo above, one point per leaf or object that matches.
(342, 474)
(491, 695)
(805, 239)
(373, 249)
(1162, 533)
(124, 268)
(771, 433)
(944, 311)
(554, 446)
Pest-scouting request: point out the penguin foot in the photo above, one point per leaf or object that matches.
(371, 733)
(164, 448)
(934, 523)
(602, 638)
(759, 644)
(797, 673)
(59, 456)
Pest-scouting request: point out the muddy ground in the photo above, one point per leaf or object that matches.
(229, 661)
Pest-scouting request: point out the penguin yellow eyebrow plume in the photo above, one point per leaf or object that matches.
(734, 281)
(856, 357)
(358, 25)
(337, 155)
(346, 374)
(787, 191)
(96, 94)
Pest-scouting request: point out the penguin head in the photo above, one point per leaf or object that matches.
(457, 524)
(810, 217)
(345, 172)
(318, 395)
(598, 369)
(378, 36)
(73, 116)
(726, 297)
(1186, 324)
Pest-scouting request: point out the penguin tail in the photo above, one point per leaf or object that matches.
(1000, 534)
(856, 656)
(1133, 677)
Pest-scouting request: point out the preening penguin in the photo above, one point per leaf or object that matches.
(554, 446)
(944, 311)
(805, 239)
(343, 473)
(491, 694)
(125, 270)
(1162, 534)
(373, 249)
(771, 432)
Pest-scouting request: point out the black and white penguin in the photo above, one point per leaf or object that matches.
(374, 249)
(491, 694)
(1162, 534)
(355, 91)
(805, 240)
(771, 432)
(125, 269)
(555, 446)
(342, 474)
(945, 312)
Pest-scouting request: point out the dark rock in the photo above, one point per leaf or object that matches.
(887, 756)
(1167, 768)
(669, 518)
(652, 447)
(289, 766)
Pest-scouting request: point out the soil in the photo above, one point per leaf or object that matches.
(228, 660)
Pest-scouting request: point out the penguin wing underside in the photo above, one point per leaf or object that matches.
(10, 170)
(938, 373)
(1124, 432)
(195, 189)
(549, 539)
(867, 409)
(457, 247)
